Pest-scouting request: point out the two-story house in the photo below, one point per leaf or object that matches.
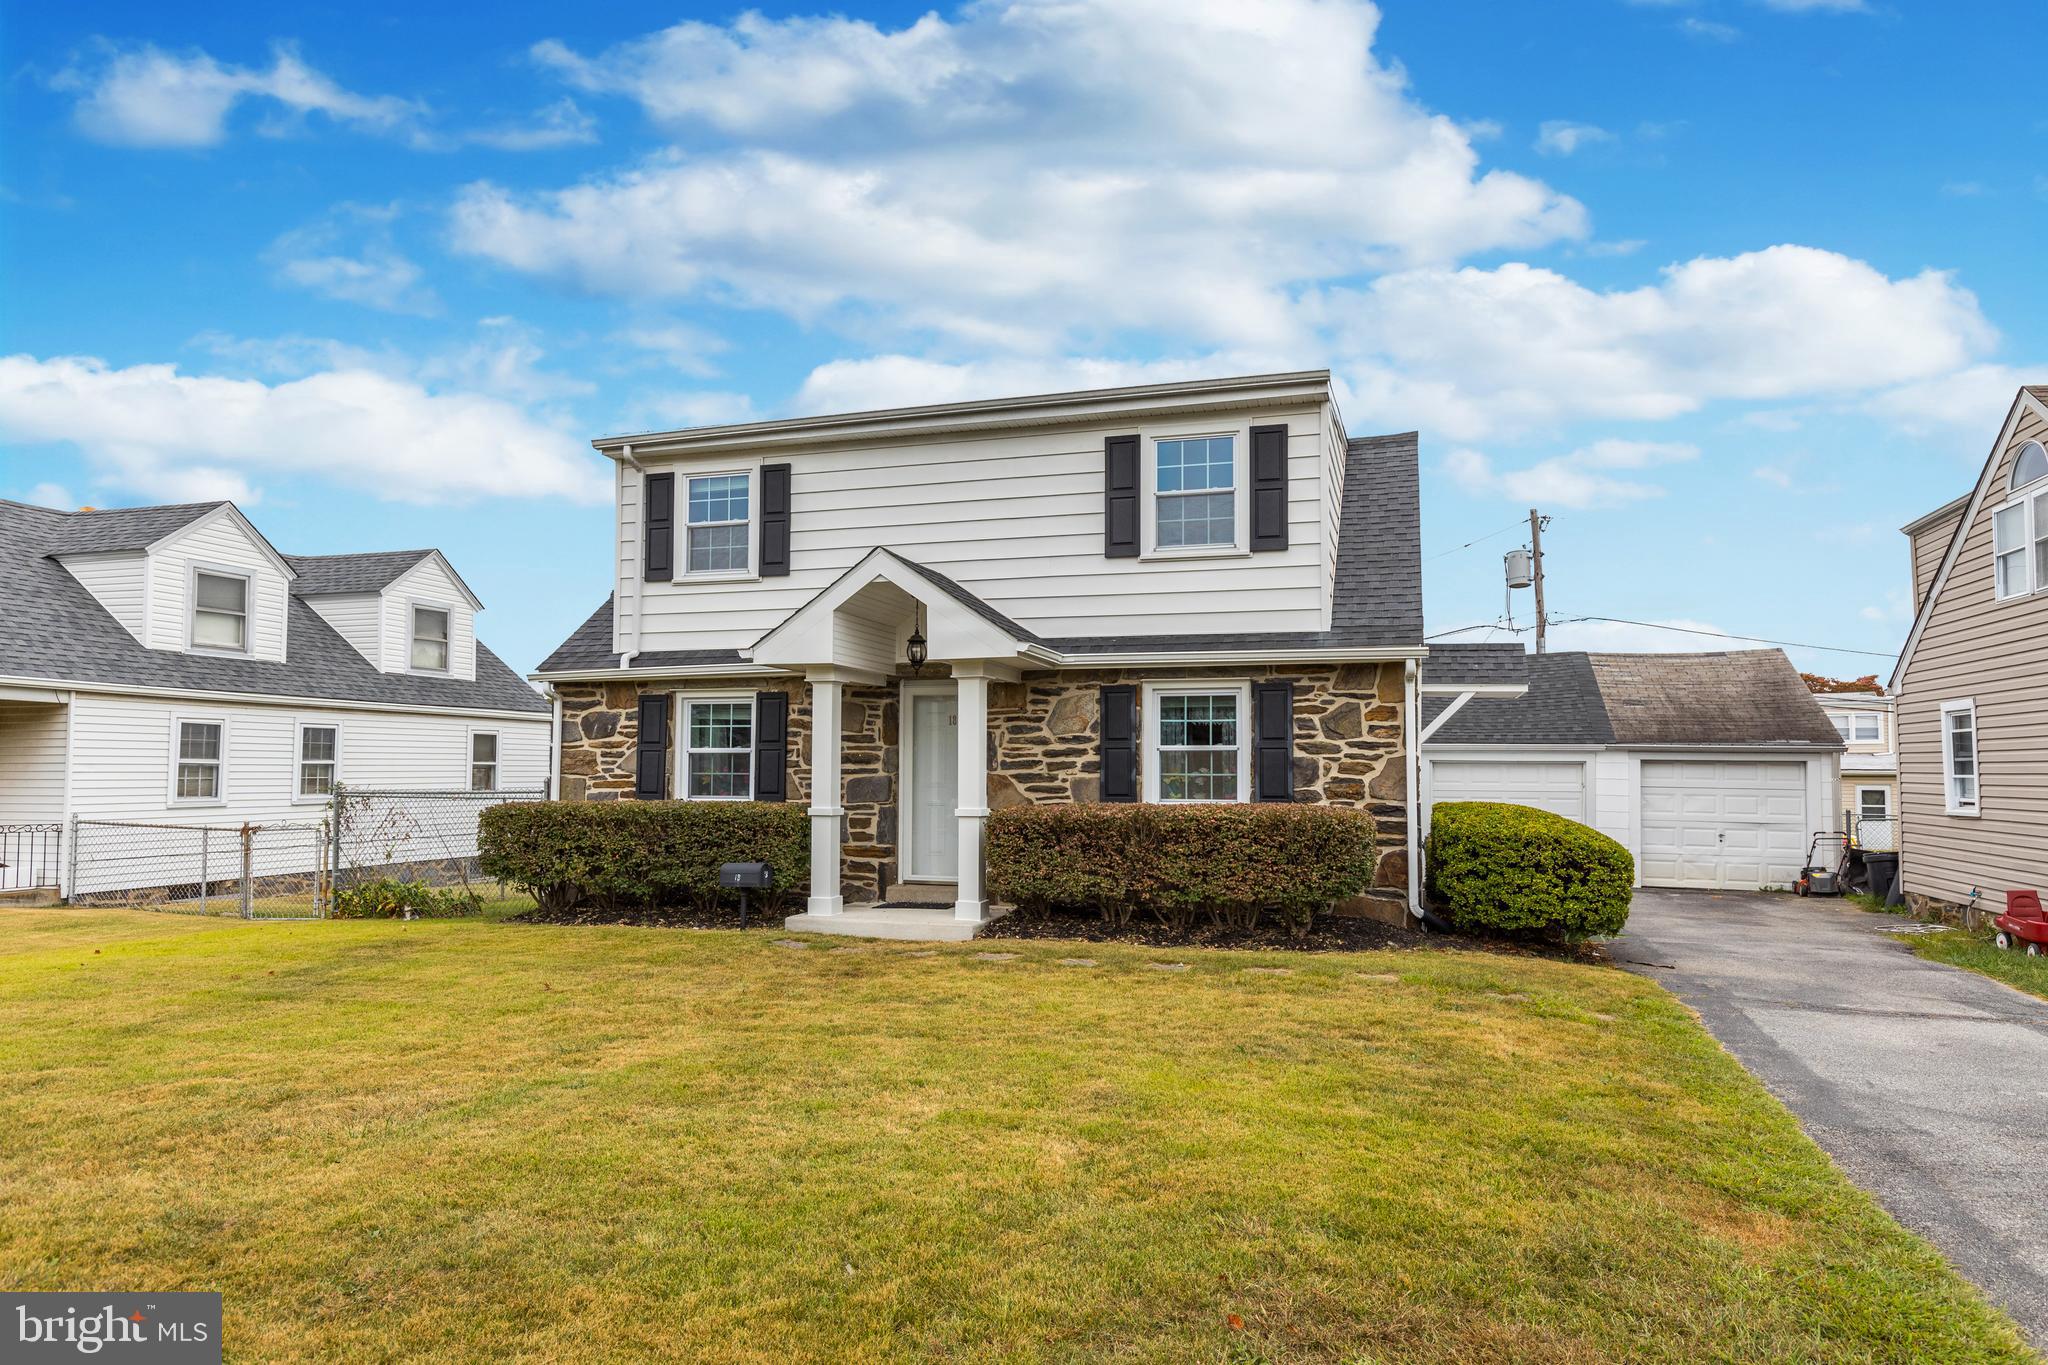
(1870, 765)
(1972, 682)
(908, 618)
(167, 664)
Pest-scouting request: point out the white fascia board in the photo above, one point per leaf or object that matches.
(39, 695)
(738, 670)
(1475, 689)
(1302, 387)
(1710, 751)
(1027, 656)
(228, 509)
(475, 603)
(2024, 401)
(103, 689)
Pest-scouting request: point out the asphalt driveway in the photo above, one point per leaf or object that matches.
(1926, 1083)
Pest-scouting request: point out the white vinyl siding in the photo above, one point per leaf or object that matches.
(32, 762)
(216, 543)
(1016, 518)
(428, 585)
(1558, 787)
(119, 581)
(357, 617)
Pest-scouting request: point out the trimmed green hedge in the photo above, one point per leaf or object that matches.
(626, 855)
(1179, 862)
(1516, 869)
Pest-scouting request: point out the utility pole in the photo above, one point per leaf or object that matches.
(1536, 571)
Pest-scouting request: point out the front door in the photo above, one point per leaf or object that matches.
(933, 775)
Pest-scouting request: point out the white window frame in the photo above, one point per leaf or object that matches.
(679, 780)
(1150, 694)
(1975, 806)
(1853, 718)
(470, 764)
(413, 607)
(681, 554)
(192, 574)
(2030, 500)
(1240, 487)
(1883, 791)
(299, 794)
(179, 721)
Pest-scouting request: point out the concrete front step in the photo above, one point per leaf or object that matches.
(915, 923)
(30, 897)
(921, 893)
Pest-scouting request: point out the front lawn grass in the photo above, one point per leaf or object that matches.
(1976, 951)
(458, 1141)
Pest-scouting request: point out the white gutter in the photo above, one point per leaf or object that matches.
(1411, 714)
(1051, 658)
(300, 700)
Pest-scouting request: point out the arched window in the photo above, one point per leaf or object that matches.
(2031, 465)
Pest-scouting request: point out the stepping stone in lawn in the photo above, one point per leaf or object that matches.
(1167, 966)
(1077, 962)
(791, 943)
(996, 957)
(923, 952)
(1377, 976)
(1269, 971)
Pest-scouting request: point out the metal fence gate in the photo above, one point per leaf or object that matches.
(274, 871)
(31, 857)
(422, 835)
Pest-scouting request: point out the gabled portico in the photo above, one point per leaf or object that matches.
(858, 631)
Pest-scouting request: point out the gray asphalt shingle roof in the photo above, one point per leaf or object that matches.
(53, 629)
(1377, 602)
(1475, 663)
(108, 529)
(1746, 698)
(375, 571)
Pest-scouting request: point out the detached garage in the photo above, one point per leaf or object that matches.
(1712, 769)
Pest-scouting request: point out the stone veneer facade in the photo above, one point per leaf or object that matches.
(1042, 748)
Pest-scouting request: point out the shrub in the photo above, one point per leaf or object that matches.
(1180, 862)
(624, 855)
(1516, 869)
(385, 898)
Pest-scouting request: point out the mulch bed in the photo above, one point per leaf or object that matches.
(669, 917)
(1328, 934)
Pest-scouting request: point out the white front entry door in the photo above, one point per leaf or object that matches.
(1735, 826)
(933, 779)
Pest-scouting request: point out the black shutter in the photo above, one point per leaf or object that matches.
(1273, 741)
(1120, 743)
(1269, 488)
(658, 506)
(1120, 499)
(650, 766)
(774, 523)
(771, 745)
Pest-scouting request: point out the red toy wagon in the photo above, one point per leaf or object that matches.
(2023, 924)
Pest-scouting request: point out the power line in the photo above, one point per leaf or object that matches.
(1470, 543)
(1724, 635)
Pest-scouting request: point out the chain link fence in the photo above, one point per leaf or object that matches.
(275, 871)
(423, 835)
(1874, 833)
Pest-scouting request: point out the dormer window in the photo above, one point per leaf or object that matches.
(430, 639)
(1195, 501)
(220, 611)
(719, 515)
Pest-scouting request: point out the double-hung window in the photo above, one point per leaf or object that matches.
(1857, 727)
(2019, 530)
(430, 639)
(483, 760)
(1195, 748)
(1874, 803)
(720, 515)
(220, 611)
(1194, 501)
(718, 749)
(199, 748)
(319, 751)
(1959, 756)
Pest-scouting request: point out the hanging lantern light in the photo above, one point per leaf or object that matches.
(916, 650)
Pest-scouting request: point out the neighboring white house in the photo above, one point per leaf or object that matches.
(166, 664)
(1870, 764)
(1714, 770)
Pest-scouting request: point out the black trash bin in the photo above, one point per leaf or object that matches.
(1884, 876)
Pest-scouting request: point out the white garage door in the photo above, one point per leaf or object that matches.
(1723, 825)
(1558, 787)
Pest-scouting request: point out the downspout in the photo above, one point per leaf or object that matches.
(555, 747)
(1411, 743)
(626, 657)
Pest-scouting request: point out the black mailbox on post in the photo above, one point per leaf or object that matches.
(745, 877)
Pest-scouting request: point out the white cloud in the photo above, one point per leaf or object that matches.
(146, 97)
(1708, 30)
(1003, 179)
(689, 408)
(51, 495)
(349, 255)
(1472, 352)
(1963, 408)
(1562, 137)
(561, 124)
(678, 345)
(503, 360)
(1583, 478)
(167, 434)
(1818, 6)
(896, 380)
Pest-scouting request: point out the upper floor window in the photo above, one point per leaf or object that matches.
(483, 761)
(1195, 497)
(719, 518)
(1858, 727)
(2019, 530)
(430, 639)
(1959, 756)
(718, 749)
(220, 611)
(197, 776)
(2031, 465)
(319, 747)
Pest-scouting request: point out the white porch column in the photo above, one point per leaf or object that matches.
(826, 812)
(973, 809)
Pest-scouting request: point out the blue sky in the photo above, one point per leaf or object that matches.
(1731, 289)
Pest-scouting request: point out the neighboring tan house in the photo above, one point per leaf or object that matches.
(1176, 592)
(1713, 770)
(167, 665)
(1972, 682)
(1869, 801)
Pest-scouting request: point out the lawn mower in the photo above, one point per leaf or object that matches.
(1824, 878)
(2023, 925)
